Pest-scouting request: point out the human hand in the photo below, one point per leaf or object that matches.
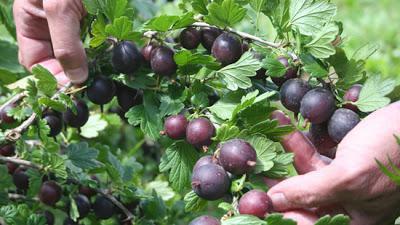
(48, 33)
(352, 183)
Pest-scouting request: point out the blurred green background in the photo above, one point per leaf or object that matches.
(365, 21)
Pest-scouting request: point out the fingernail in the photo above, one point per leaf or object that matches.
(77, 76)
(278, 201)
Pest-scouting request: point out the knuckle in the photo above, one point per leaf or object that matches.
(64, 55)
(54, 6)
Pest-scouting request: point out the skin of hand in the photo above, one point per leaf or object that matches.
(48, 33)
(350, 184)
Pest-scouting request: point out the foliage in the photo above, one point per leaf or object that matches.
(125, 154)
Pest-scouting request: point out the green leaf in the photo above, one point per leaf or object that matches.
(73, 211)
(277, 219)
(53, 104)
(9, 60)
(321, 44)
(365, 51)
(200, 6)
(162, 188)
(309, 16)
(46, 82)
(237, 75)
(226, 132)
(91, 6)
(147, 115)
(180, 159)
(194, 203)
(94, 125)
(315, 70)
(56, 164)
(6, 181)
(185, 58)
(238, 184)
(114, 167)
(170, 106)
(348, 71)
(372, 95)
(35, 182)
(113, 8)
(36, 219)
(244, 220)
(226, 105)
(184, 21)
(164, 23)
(122, 29)
(83, 156)
(200, 99)
(336, 220)
(224, 14)
(226, 206)
(154, 208)
(274, 67)
(265, 152)
(99, 32)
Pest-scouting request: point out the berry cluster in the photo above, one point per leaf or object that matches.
(329, 124)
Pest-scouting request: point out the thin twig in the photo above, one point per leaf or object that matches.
(13, 196)
(13, 100)
(129, 215)
(244, 35)
(20, 162)
(15, 134)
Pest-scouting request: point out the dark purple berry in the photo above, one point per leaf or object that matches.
(126, 57)
(103, 208)
(55, 123)
(237, 156)
(319, 136)
(204, 161)
(4, 117)
(175, 126)
(69, 221)
(208, 36)
(101, 91)
(291, 72)
(7, 150)
(352, 95)
(318, 105)
(190, 38)
(210, 182)
(199, 132)
(292, 92)
(227, 48)
(50, 193)
(341, 123)
(12, 167)
(128, 97)
(205, 220)
(83, 205)
(49, 217)
(256, 203)
(162, 61)
(80, 118)
(21, 179)
(146, 52)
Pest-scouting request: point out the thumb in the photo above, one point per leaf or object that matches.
(314, 189)
(63, 18)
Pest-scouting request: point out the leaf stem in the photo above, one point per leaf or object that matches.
(13, 100)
